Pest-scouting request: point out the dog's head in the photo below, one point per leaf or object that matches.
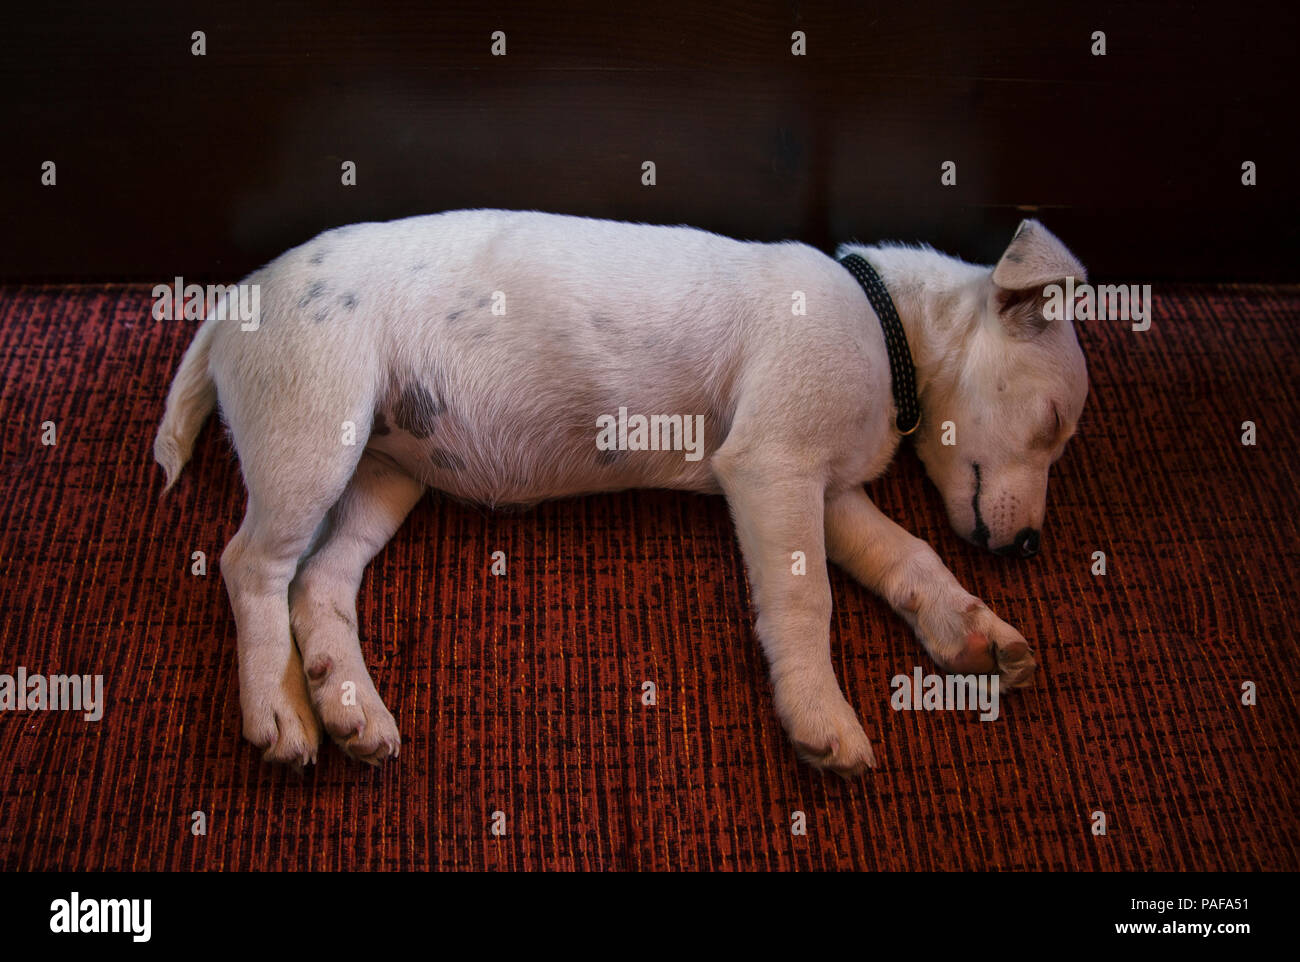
(1013, 389)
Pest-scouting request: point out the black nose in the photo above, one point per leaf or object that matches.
(1025, 545)
(1027, 542)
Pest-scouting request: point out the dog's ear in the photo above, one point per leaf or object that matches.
(1034, 259)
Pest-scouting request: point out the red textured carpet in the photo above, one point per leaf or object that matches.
(522, 694)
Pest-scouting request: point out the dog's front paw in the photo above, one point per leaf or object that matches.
(968, 638)
(826, 733)
(278, 717)
(352, 711)
(1015, 659)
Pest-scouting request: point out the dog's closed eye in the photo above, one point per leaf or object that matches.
(1051, 435)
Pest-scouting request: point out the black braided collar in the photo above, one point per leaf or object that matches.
(901, 371)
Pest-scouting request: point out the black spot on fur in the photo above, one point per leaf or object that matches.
(315, 290)
(416, 268)
(445, 461)
(380, 426)
(348, 300)
(318, 257)
(483, 302)
(320, 316)
(417, 410)
(454, 315)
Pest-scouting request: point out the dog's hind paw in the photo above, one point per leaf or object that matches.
(281, 722)
(353, 713)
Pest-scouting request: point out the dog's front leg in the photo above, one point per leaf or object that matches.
(956, 628)
(778, 514)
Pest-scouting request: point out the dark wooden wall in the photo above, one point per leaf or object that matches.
(208, 166)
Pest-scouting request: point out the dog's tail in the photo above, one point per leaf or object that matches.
(191, 399)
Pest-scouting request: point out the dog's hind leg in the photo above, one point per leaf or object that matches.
(322, 608)
(956, 628)
(292, 434)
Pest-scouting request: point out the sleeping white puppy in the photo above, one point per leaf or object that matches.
(487, 354)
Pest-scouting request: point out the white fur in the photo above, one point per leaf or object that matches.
(798, 413)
